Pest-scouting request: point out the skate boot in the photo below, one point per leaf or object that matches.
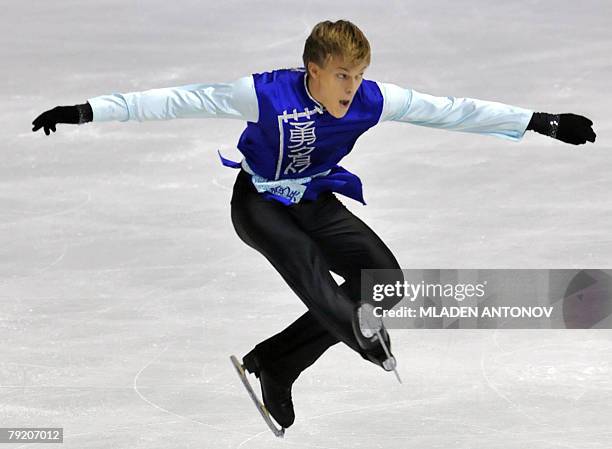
(276, 395)
(373, 338)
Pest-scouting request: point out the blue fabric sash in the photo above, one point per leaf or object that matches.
(291, 190)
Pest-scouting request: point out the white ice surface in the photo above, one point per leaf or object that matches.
(124, 287)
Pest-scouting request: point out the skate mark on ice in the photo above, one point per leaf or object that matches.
(367, 408)
(57, 260)
(217, 184)
(252, 437)
(298, 37)
(36, 216)
(513, 434)
(489, 384)
(284, 442)
(513, 404)
(160, 408)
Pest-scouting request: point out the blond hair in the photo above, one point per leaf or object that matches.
(340, 39)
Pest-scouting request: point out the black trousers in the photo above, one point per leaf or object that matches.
(304, 242)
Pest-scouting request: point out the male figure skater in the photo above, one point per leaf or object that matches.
(300, 123)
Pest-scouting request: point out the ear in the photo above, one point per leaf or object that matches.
(313, 70)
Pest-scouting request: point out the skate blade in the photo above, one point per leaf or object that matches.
(263, 411)
(390, 363)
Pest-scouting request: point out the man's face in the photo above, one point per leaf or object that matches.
(335, 85)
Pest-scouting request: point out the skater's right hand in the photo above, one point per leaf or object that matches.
(62, 114)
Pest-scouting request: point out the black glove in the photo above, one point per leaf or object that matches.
(78, 114)
(569, 128)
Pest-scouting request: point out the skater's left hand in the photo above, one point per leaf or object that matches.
(569, 128)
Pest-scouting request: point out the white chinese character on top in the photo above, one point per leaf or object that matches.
(301, 134)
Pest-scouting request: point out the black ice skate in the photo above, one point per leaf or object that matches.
(277, 400)
(371, 335)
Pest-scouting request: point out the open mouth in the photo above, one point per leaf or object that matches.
(345, 103)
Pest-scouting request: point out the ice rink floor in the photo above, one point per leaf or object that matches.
(124, 287)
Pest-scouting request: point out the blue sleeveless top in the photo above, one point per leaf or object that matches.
(293, 150)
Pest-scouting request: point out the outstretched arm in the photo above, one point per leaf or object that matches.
(221, 100)
(475, 116)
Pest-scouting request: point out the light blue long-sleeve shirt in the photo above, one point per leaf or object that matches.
(238, 100)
